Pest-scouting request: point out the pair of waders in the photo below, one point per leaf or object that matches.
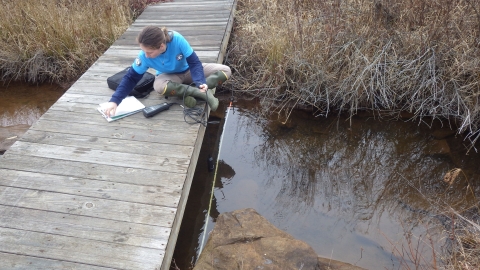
(189, 93)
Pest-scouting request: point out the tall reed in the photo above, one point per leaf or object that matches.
(388, 56)
(57, 40)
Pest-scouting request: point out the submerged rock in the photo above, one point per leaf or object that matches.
(437, 147)
(243, 239)
(440, 134)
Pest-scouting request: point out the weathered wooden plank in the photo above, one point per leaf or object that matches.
(194, 40)
(77, 250)
(211, 1)
(196, 2)
(160, 196)
(197, 43)
(98, 143)
(96, 88)
(121, 131)
(159, 123)
(196, 46)
(131, 42)
(169, 164)
(137, 27)
(204, 56)
(103, 95)
(174, 113)
(129, 37)
(102, 70)
(184, 12)
(153, 21)
(132, 53)
(87, 206)
(201, 10)
(170, 123)
(98, 229)
(16, 261)
(192, 21)
(186, 32)
(126, 57)
(120, 61)
(92, 99)
(122, 174)
(189, 2)
(94, 92)
(169, 14)
(193, 5)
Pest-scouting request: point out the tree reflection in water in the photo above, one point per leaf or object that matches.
(350, 189)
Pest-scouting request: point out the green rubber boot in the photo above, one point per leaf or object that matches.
(182, 90)
(216, 79)
(190, 101)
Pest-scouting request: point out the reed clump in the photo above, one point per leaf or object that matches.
(460, 250)
(465, 253)
(450, 239)
(58, 40)
(389, 56)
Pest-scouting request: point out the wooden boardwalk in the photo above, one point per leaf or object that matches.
(77, 192)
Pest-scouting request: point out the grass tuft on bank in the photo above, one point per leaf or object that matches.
(58, 40)
(389, 56)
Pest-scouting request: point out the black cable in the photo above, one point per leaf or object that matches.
(197, 115)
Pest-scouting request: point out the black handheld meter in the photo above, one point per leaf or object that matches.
(153, 110)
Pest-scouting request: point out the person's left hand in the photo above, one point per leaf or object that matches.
(203, 88)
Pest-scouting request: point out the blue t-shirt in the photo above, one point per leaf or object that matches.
(178, 58)
(173, 60)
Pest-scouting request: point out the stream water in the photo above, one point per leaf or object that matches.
(360, 190)
(23, 104)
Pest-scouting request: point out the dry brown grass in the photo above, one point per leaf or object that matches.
(461, 250)
(450, 238)
(465, 253)
(58, 40)
(385, 55)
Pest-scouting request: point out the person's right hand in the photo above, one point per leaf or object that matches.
(203, 87)
(110, 109)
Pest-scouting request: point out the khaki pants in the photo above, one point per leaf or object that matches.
(186, 78)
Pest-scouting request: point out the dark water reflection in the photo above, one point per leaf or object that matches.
(355, 191)
(23, 104)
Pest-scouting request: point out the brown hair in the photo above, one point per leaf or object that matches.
(153, 37)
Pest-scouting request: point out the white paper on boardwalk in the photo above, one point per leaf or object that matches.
(129, 105)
